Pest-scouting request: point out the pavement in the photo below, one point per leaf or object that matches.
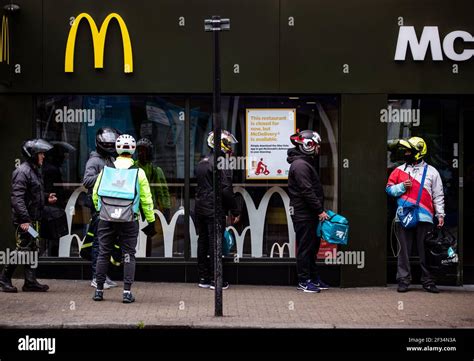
(69, 304)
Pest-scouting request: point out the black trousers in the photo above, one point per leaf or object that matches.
(307, 244)
(406, 238)
(205, 249)
(126, 233)
(93, 226)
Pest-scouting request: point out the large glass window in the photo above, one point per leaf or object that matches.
(265, 228)
(70, 123)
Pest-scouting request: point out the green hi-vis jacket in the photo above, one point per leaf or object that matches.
(160, 192)
(146, 200)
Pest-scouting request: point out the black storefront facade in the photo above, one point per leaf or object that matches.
(350, 70)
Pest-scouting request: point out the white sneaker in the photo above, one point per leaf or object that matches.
(109, 282)
(106, 285)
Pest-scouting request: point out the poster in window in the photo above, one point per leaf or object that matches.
(268, 134)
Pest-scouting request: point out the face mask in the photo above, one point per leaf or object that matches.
(409, 158)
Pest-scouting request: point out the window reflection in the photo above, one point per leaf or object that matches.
(264, 231)
(70, 122)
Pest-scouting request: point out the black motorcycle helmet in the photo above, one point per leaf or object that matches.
(105, 141)
(32, 147)
(147, 146)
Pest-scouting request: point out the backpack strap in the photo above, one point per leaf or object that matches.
(421, 185)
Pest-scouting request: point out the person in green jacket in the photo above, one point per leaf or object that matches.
(119, 223)
(155, 176)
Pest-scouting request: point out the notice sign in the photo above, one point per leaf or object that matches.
(268, 140)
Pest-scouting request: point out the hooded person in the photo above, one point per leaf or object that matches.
(28, 199)
(405, 184)
(306, 206)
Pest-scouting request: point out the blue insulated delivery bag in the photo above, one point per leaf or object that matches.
(335, 229)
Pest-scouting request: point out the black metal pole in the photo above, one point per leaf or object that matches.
(218, 213)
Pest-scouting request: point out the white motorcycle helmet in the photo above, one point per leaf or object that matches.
(125, 144)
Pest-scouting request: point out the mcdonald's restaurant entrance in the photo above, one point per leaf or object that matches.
(68, 68)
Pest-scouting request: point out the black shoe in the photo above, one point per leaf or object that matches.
(34, 287)
(402, 287)
(6, 285)
(98, 295)
(203, 283)
(225, 285)
(431, 288)
(31, 283)
(128, 297)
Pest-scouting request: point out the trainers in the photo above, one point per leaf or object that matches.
(106, 285)
(109, 282)
(308, 286)
(203, 283)
(98, 295)
(431, 288)
(128, 297)
(225, 285)
(320, 284)
(402, 287)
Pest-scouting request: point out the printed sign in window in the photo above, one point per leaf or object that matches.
(268, 140)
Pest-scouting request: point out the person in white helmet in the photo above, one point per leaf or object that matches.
(118, 194)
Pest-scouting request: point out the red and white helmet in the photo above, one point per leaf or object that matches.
(125, 144)
(306, 141)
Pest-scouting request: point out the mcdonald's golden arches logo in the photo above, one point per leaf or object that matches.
(98, 39)
(5, 42)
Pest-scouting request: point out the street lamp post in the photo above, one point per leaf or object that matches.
(216, 25)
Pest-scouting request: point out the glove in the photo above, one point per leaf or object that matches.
(149, 230)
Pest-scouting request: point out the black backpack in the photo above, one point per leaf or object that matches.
(441, 247)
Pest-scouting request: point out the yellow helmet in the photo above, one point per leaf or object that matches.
(417, 145)
(227, 140)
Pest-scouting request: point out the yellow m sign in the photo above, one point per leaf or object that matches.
(5, 42)
(98, 39)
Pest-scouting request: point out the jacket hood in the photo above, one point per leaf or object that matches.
(294, 153)
(95, 154)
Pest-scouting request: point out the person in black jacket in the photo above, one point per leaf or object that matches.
(204, 207)
(103, 156)
(27, 202)
(306, 206)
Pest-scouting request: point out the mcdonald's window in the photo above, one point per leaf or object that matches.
(70, 123)
(265, 229)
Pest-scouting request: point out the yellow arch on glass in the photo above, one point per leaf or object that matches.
(5, 41)
(98, 39)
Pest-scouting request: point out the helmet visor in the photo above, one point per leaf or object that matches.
(41, 146)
